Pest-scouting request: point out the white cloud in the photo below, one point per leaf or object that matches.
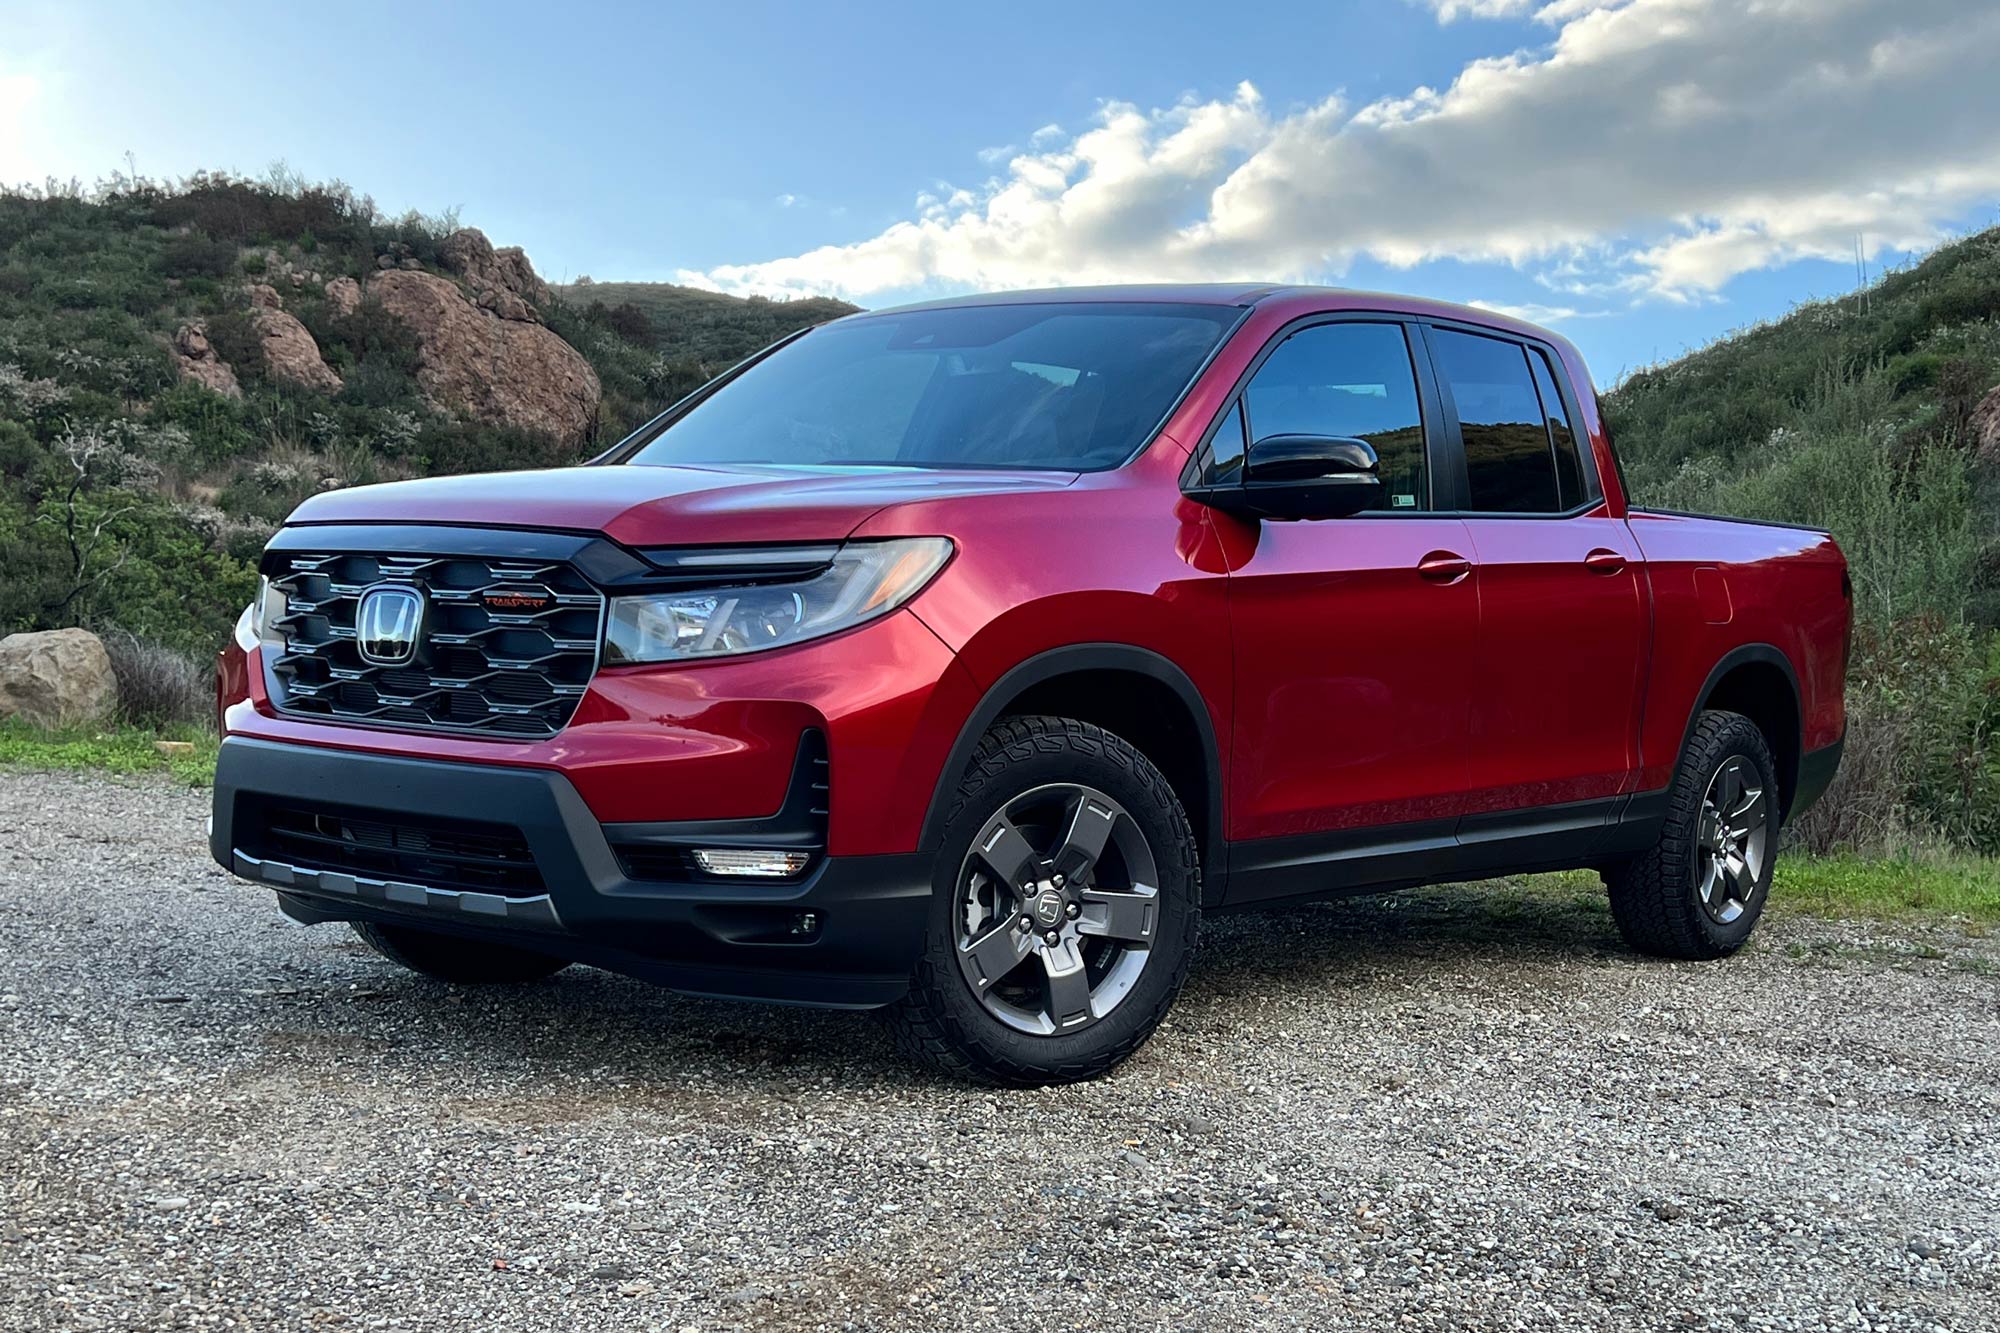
(1658, 146)
(1531, 311)
(1450, 11)
(1545, 11)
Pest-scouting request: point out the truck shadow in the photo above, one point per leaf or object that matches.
(585, 1023)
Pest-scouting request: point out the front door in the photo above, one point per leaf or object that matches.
(1352, 635)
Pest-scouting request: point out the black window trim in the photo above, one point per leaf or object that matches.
(1456, 470)
(1194, 472)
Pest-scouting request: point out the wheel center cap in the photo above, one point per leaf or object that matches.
(1048, 907)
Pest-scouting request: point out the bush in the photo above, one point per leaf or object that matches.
(198, 255)
(159, 686)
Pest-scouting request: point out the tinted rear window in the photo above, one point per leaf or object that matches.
(1508, 461)
(1073, 387)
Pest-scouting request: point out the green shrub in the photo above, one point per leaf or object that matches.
(197, 255)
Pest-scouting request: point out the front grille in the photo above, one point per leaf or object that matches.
(482, 666)
(437, 853)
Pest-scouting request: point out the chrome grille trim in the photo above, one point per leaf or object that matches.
(480, 671)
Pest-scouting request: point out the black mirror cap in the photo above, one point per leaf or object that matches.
(1300, 477)
(1309, 458)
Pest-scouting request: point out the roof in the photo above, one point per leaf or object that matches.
(1229, 294)
(1164, 293)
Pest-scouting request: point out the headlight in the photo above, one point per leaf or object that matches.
(258, 623)
(863, 580)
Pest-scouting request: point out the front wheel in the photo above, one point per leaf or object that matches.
(1066, 899)
(1699, 890)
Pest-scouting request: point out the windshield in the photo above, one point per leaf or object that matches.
(1073, 387)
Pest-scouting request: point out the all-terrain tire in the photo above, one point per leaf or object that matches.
(1655, 896)
(455, 958)
(941, 1023)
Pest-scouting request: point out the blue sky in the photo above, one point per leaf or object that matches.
(1642, 174)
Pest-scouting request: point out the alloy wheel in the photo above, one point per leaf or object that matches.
(1733, 840)
(1058, 905)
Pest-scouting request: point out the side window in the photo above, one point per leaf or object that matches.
(1225, 447)
(1353, 380)
(1570, 480)
(1508, 463)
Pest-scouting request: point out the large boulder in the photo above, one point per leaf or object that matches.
(502, 281)
(196, 360)
(343, 296)
(505, 371)
(289, 350)
(56, 678)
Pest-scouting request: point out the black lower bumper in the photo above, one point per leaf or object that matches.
(1816, 770)
(845, 934)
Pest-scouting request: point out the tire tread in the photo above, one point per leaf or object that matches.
(1651, 895)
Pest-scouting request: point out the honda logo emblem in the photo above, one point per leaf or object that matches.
(387, 623)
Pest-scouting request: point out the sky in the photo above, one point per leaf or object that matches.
(1642, 175)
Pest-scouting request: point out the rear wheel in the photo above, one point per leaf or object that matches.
(1064, 911)
(456, 958)
(1698, 891)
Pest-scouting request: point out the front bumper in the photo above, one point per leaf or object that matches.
(846, 934)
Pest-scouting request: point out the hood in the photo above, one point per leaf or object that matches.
(669, 506)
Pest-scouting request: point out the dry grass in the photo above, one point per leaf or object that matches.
(159, 686)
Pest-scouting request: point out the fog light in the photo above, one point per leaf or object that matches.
(752, 864)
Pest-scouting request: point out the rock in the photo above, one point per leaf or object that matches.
(1986, 426)
(385, 261)
(56, 678)
(289, 350)
(343, 296)
(196, 360)
(507, 305)
(264, 296)
(503, 280)
(414, 265)
(500, 370)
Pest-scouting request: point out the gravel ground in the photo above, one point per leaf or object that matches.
(1458, 1109)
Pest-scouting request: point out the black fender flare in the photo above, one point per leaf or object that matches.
(1065, 661)
(1747, 655)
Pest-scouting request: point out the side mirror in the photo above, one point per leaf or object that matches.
(1301, 476)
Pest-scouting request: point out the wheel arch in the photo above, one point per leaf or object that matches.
(1118, 687)
(1759, 681)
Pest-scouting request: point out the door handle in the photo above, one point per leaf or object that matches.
(1603, 561)
(1444, 567)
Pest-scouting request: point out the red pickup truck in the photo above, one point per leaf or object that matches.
(953, 660)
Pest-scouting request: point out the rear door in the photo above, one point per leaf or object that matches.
(1564, 630)
(1351, 634)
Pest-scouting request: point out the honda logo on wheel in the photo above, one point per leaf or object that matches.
(387, 623)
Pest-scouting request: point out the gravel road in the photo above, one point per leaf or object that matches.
(1457, 1109)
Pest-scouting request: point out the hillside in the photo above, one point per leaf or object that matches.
(182, 363)
(1875, 415)
(708, 326)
